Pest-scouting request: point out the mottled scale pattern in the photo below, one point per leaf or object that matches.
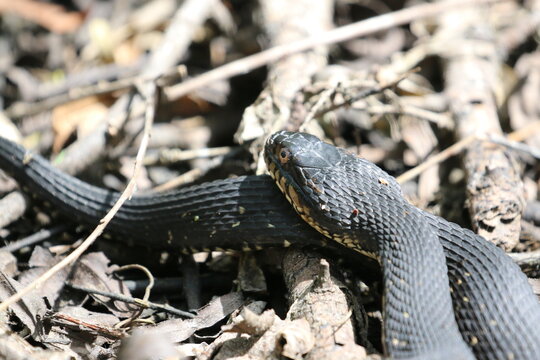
(500, 318)
(362, 207)
(498, 313)
(224, 214)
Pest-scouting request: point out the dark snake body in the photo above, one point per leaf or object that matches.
(496, 312)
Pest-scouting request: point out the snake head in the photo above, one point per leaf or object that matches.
(295, 149)
(335, 192)
(301, 165)
(298, 162)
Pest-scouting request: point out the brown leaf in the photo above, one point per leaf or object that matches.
(79, 115)
(41, 261)
(178, 330)
(93, 272)
(51, 16)
(27, 309)
(74, 327)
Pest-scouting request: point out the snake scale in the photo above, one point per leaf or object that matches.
(449, 294)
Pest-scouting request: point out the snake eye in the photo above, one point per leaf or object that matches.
(284, 155)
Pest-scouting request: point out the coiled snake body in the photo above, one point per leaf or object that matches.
(433, 309)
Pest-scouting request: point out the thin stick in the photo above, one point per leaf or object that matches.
(126, 194)
(379, 88)
(38, 237)
(141, 303)
(441, 120)
(179, 180)
(361, 28)
(171, 156)
(516, 146)
(435, 159)
(102, 330)
(21, 109)
(525, 132)
(509, 141)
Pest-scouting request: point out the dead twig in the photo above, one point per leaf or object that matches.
(100, 329)
(318, 109)
(178, 36)
(441, 120)
(142, 303)
(21, 109)
(149, 92)
(364, 94)
(325, 303)
(361, 28)
(170, 156)
(436, 159)
(510, 139)
(514, 145)
(529, 262)
(191, 175)
(33, 239)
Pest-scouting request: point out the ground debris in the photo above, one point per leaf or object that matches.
(445, 98)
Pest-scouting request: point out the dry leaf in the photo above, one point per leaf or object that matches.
(178, 330)
(81, 115)
(40, 262)
(51, 16)
(93, 272)
(27, 309)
